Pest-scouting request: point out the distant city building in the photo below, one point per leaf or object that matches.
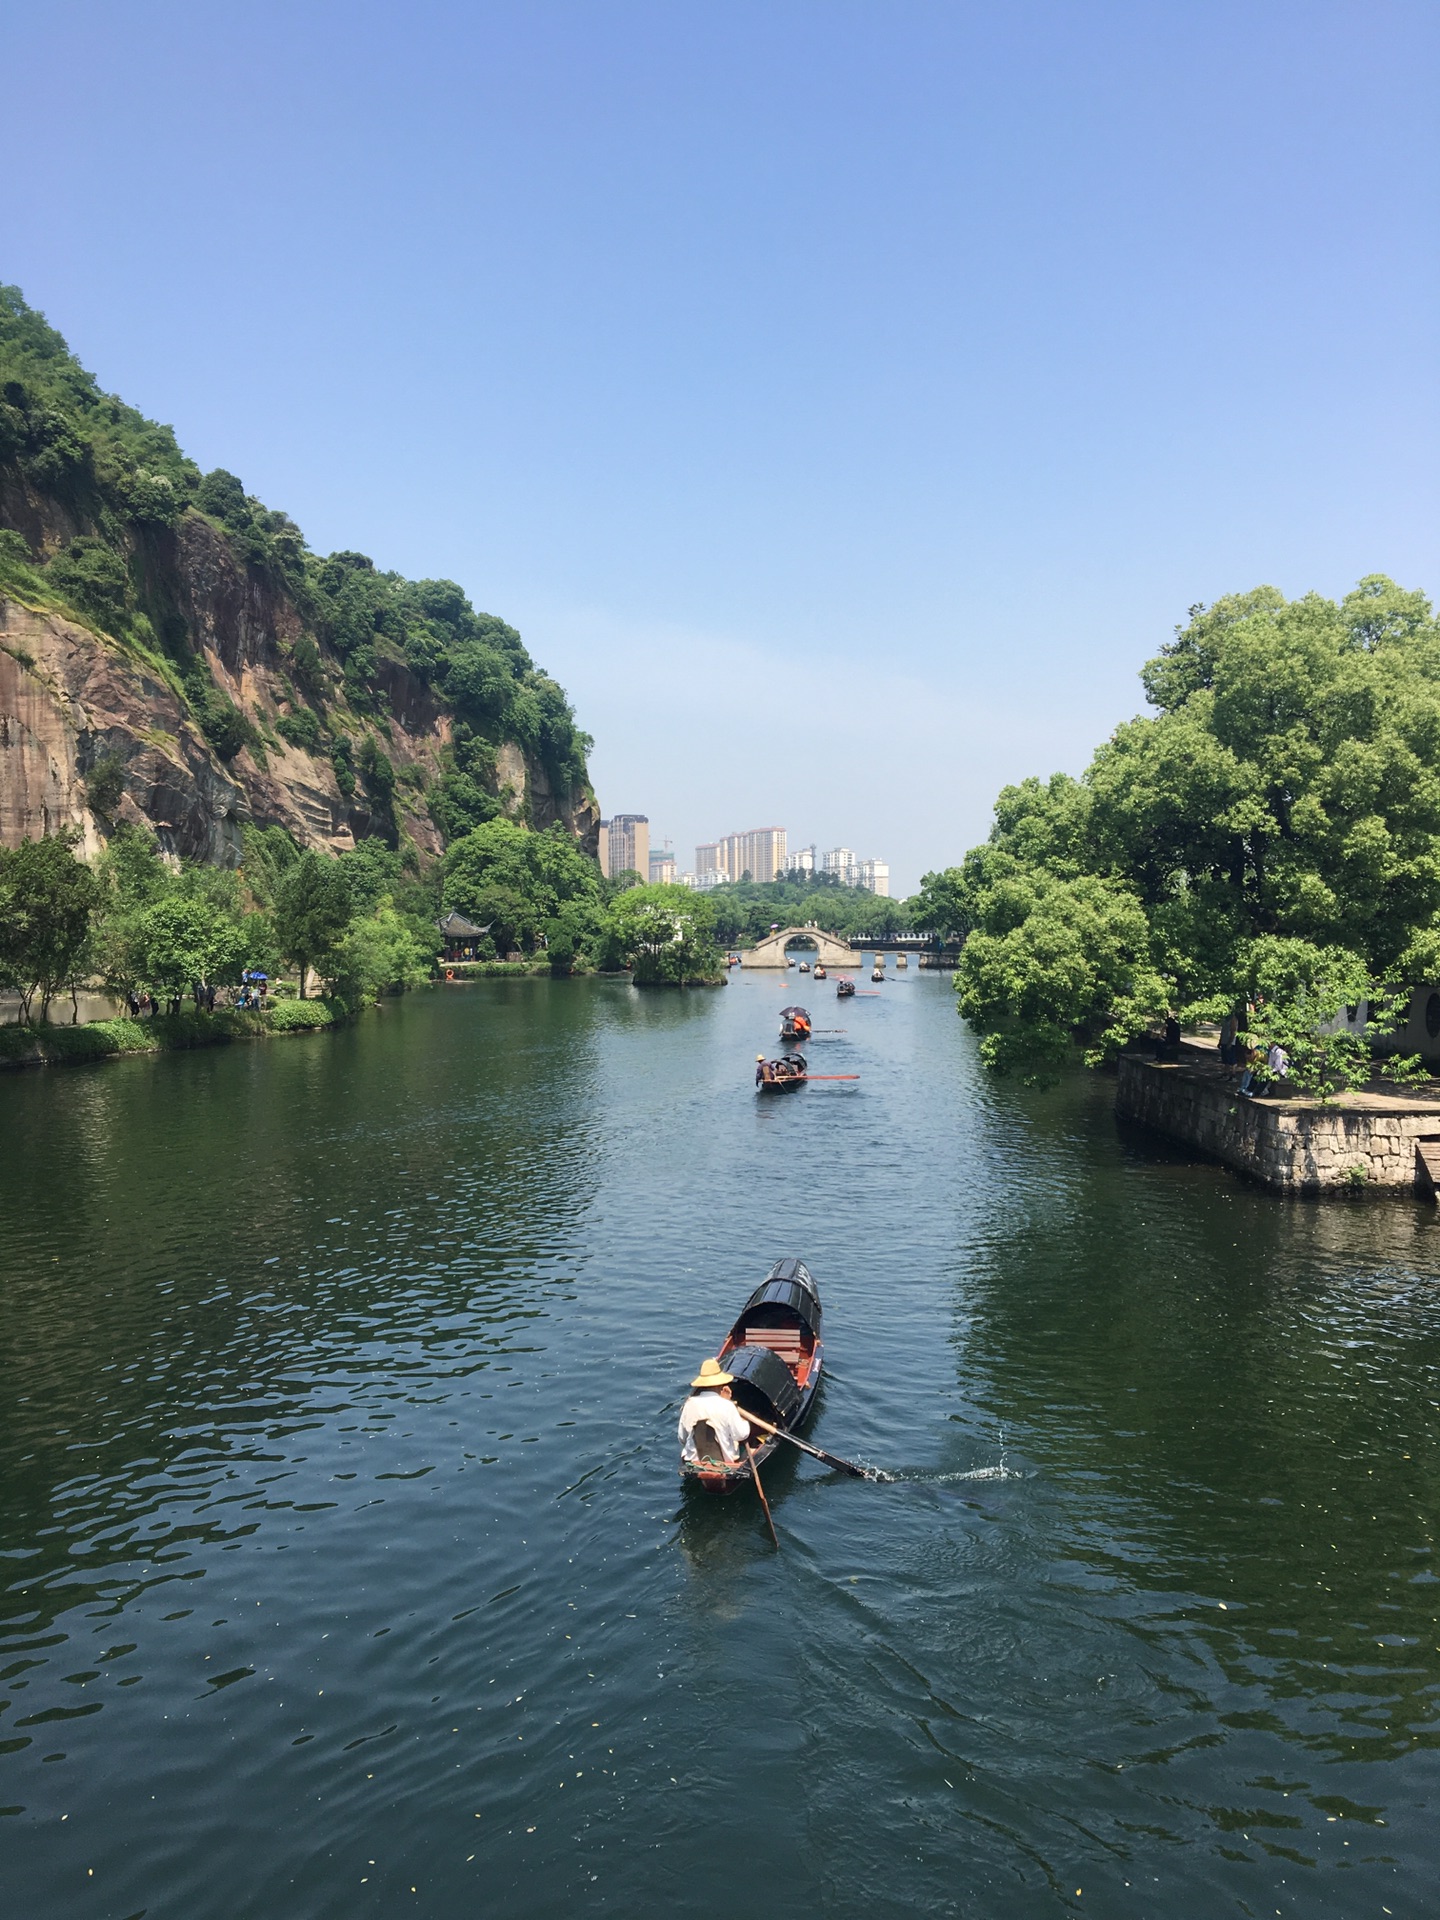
(625, 845)
(802, 860)
(662, 865)
(760, 853)
(844, 866)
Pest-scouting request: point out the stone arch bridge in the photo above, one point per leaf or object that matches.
(770, 952)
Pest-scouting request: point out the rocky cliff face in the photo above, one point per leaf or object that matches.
(173, 654)
(74, 700)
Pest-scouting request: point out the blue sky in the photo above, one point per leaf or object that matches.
(843, 400)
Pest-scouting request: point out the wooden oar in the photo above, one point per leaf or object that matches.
(830, 1459)
(755, 1476)
(827, 1076)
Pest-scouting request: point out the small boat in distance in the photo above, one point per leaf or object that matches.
(878, 974)
(773, 1354)
(844, 987)
(781, 1076)
(819, 973)
(795, 1023)
(804, 966)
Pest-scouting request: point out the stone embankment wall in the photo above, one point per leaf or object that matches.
(1296, 1146)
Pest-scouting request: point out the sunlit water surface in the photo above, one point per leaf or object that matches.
(346, 1570)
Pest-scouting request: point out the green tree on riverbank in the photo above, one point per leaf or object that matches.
(47, 902)
(1288, 787)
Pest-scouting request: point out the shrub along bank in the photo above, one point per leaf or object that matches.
(165, 1033)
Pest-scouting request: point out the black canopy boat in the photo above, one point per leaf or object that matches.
(774, 1352)
(844, 987)
(782, 1075)
(794, 1023)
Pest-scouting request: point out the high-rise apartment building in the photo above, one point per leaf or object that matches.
(760, 853)
(875, 877)
(625, 845)
(662, 866)
(842, 863)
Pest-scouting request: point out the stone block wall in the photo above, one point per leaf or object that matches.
(1294, 1146)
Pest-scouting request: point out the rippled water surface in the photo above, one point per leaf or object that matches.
(346, 1570)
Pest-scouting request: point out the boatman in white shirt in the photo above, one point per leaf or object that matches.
(711, 1401)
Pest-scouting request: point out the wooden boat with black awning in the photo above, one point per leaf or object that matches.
(782, 1075)
(795, 1024)
(774, 1351)
(844, 987)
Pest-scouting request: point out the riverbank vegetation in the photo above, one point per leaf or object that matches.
(1269, 838)
(28, 1046)
(138, 925)
(360, 924)
(533, 888)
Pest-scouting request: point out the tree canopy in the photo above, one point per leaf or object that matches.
(1287, 787)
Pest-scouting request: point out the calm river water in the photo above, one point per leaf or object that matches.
(346, 1570)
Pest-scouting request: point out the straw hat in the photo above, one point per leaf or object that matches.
(759, 1056)
(712, 1374)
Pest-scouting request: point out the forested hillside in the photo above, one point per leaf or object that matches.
(175, 656)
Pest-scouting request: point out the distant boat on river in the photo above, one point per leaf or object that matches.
(795, 1024)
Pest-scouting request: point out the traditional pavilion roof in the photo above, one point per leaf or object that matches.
(456, 927)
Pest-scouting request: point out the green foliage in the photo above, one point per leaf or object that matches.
(1300, 994)
(308, 666)
(296, 1016)
(163, 931)
(667, 934)
(269, 855)
(1288, 789)
(92, 579)
(219, 719)
(301, 728)
(1053, 959)
(181, 940)
(342, 759)
(105, 784)
(505, 876)
(380, 954)
(48, 900)
(378, 777)
(67, 437)
(312, 914)
(941, 907)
